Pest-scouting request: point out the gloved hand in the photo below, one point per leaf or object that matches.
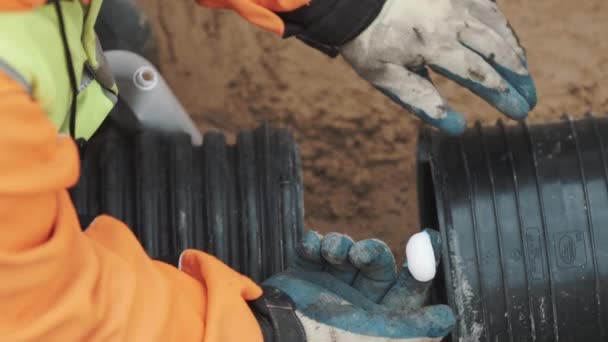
(339, 290)
(468, 41)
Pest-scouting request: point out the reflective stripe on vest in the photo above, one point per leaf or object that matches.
(15, 75)
(31, 52)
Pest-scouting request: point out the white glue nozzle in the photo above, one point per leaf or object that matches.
(149, 97)
(145, 78)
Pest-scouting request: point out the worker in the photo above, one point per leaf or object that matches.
(61, 284)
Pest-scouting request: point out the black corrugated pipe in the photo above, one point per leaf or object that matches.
(242, 203)
(524, 214)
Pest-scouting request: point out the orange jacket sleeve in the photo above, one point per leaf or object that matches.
(259, 12)
(60, 284)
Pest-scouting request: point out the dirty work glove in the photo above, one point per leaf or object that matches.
(468, 41)
(339, 290)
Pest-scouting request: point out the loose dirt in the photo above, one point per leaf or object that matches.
(358, 149)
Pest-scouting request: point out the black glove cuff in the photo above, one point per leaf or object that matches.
(275, 312)
(328, 24)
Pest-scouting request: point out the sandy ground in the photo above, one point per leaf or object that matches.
(358, 149)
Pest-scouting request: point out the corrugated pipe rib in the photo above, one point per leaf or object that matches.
(523, 213)
(242, 203)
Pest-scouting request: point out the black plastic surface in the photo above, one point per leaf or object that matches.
(242, 203)
(123, 25)
(523, 212)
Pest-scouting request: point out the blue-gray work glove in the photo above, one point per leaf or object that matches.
(468, 41)
(339, 290)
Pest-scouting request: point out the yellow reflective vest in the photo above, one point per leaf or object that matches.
(32, 52)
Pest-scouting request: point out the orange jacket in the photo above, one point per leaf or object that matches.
(259, 12)
(60, 284)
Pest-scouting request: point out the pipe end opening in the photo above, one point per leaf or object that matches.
(427, 206)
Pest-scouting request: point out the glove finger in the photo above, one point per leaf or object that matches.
(500, 55)
(334, 249)
(415, 92)
(377, 269)
(488, 13)
(308, 252)
(408, 292)
(468, 69)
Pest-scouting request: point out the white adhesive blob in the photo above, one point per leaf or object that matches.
(420, 257)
